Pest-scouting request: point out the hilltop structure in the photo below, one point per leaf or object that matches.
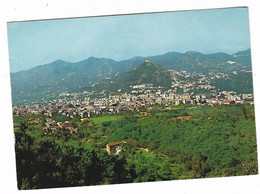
(113, 147)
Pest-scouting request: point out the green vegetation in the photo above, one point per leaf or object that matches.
(240, 83)
(105, 118)
(170, 143)
(146, 73)
(45, 82)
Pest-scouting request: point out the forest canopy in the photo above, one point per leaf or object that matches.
(167, 143)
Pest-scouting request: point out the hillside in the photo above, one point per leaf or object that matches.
(146, 73)
(195, 61)
(218, 62)
(240, 83)
(47, 81)
(215, 142)
(243, 57)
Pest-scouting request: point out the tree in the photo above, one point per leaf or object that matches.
(25, 159)
(154, 145)
(243, 110)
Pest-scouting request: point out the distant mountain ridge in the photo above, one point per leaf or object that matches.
(46, 81)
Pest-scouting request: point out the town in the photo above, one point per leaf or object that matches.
(82, 104)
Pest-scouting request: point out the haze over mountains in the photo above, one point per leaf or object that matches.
(47, 81)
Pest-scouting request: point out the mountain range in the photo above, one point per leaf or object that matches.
(47, 81)
(147, 73)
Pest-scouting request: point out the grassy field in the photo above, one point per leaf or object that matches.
(106, 118)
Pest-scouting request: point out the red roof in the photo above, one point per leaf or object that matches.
(227, 100)
(184, 117)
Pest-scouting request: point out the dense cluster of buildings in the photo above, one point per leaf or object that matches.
(118, 103)
(81, 104)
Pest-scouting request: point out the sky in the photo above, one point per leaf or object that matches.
(33, 43)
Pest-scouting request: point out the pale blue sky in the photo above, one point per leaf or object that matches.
(36, 43)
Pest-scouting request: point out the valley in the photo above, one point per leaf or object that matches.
(145, 121)
(46, 82)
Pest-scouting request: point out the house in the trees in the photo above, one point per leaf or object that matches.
(32, 121)
(181, 118)
(50, 125)
(84, 120)
(113, 147)
(143, 113)
(45, 130)
(67, 126)
(49, 122)
(228, 102)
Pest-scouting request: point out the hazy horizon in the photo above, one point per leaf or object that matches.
(34, 43)
(122, 59)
